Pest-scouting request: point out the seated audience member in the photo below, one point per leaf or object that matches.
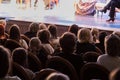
(68, 42)
(19, 56)
(44, 36)
(14, 34)
(101, 38)
(5, 65)
(36, 48)
(42, 26)
(54, 40)
(33, 28)
(73, 29)
(85, 42)
(57, 76)
(3, 22)
(3, 37)
(95, 33)
(111, 58)
(115, 74)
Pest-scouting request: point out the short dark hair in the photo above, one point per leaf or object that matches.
(20, 56)
(44, 35)
(68, 42)
(53, 30)
(73, 29)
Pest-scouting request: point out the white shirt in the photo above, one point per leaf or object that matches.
(109, 62)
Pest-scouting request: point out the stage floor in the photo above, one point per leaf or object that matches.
(62, 14)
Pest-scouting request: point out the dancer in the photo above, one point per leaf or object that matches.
(111, 6)
(85, 7)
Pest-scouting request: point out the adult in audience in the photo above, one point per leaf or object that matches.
(68, 43)
(33, 28)
(57, 76)
(5, 65)
(3, 37)
(101, 38)
(36, 48)
(54, 40)
(3, 22)
(14, 34)
(19, 56)
(42, 26)
(73, 29)
(85, 41)
(44, 36)
(111, 59)
(95, 33)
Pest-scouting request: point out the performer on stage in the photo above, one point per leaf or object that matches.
(111, 6)
(49, 4)
(85, 7)
(35, 3)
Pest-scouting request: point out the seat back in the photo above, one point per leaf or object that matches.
(42, 74)
(34, 63)
(62, 65)
(94, 71)
(19, 71)
(11, 44)
(90, 56)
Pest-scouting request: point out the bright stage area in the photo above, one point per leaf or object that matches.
(63, 13)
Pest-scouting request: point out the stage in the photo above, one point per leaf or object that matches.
(61, 14)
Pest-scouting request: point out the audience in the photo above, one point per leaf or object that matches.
(44, 41)
(54, 40)
(5, 65)
(3, 22)
(73, 29)
(44, 36)
(85, 42)
(101, 38)
(68, 43)
(36, 48)
(33, 28)
(57, 76)
(3, 37)
(42, 26)
(111, 58)
(14, 34)
(19, 56)
(95, 33)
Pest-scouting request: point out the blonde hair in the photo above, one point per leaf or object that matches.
(42, 26)
(84, 35)
(33, 27)
(3, 22)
